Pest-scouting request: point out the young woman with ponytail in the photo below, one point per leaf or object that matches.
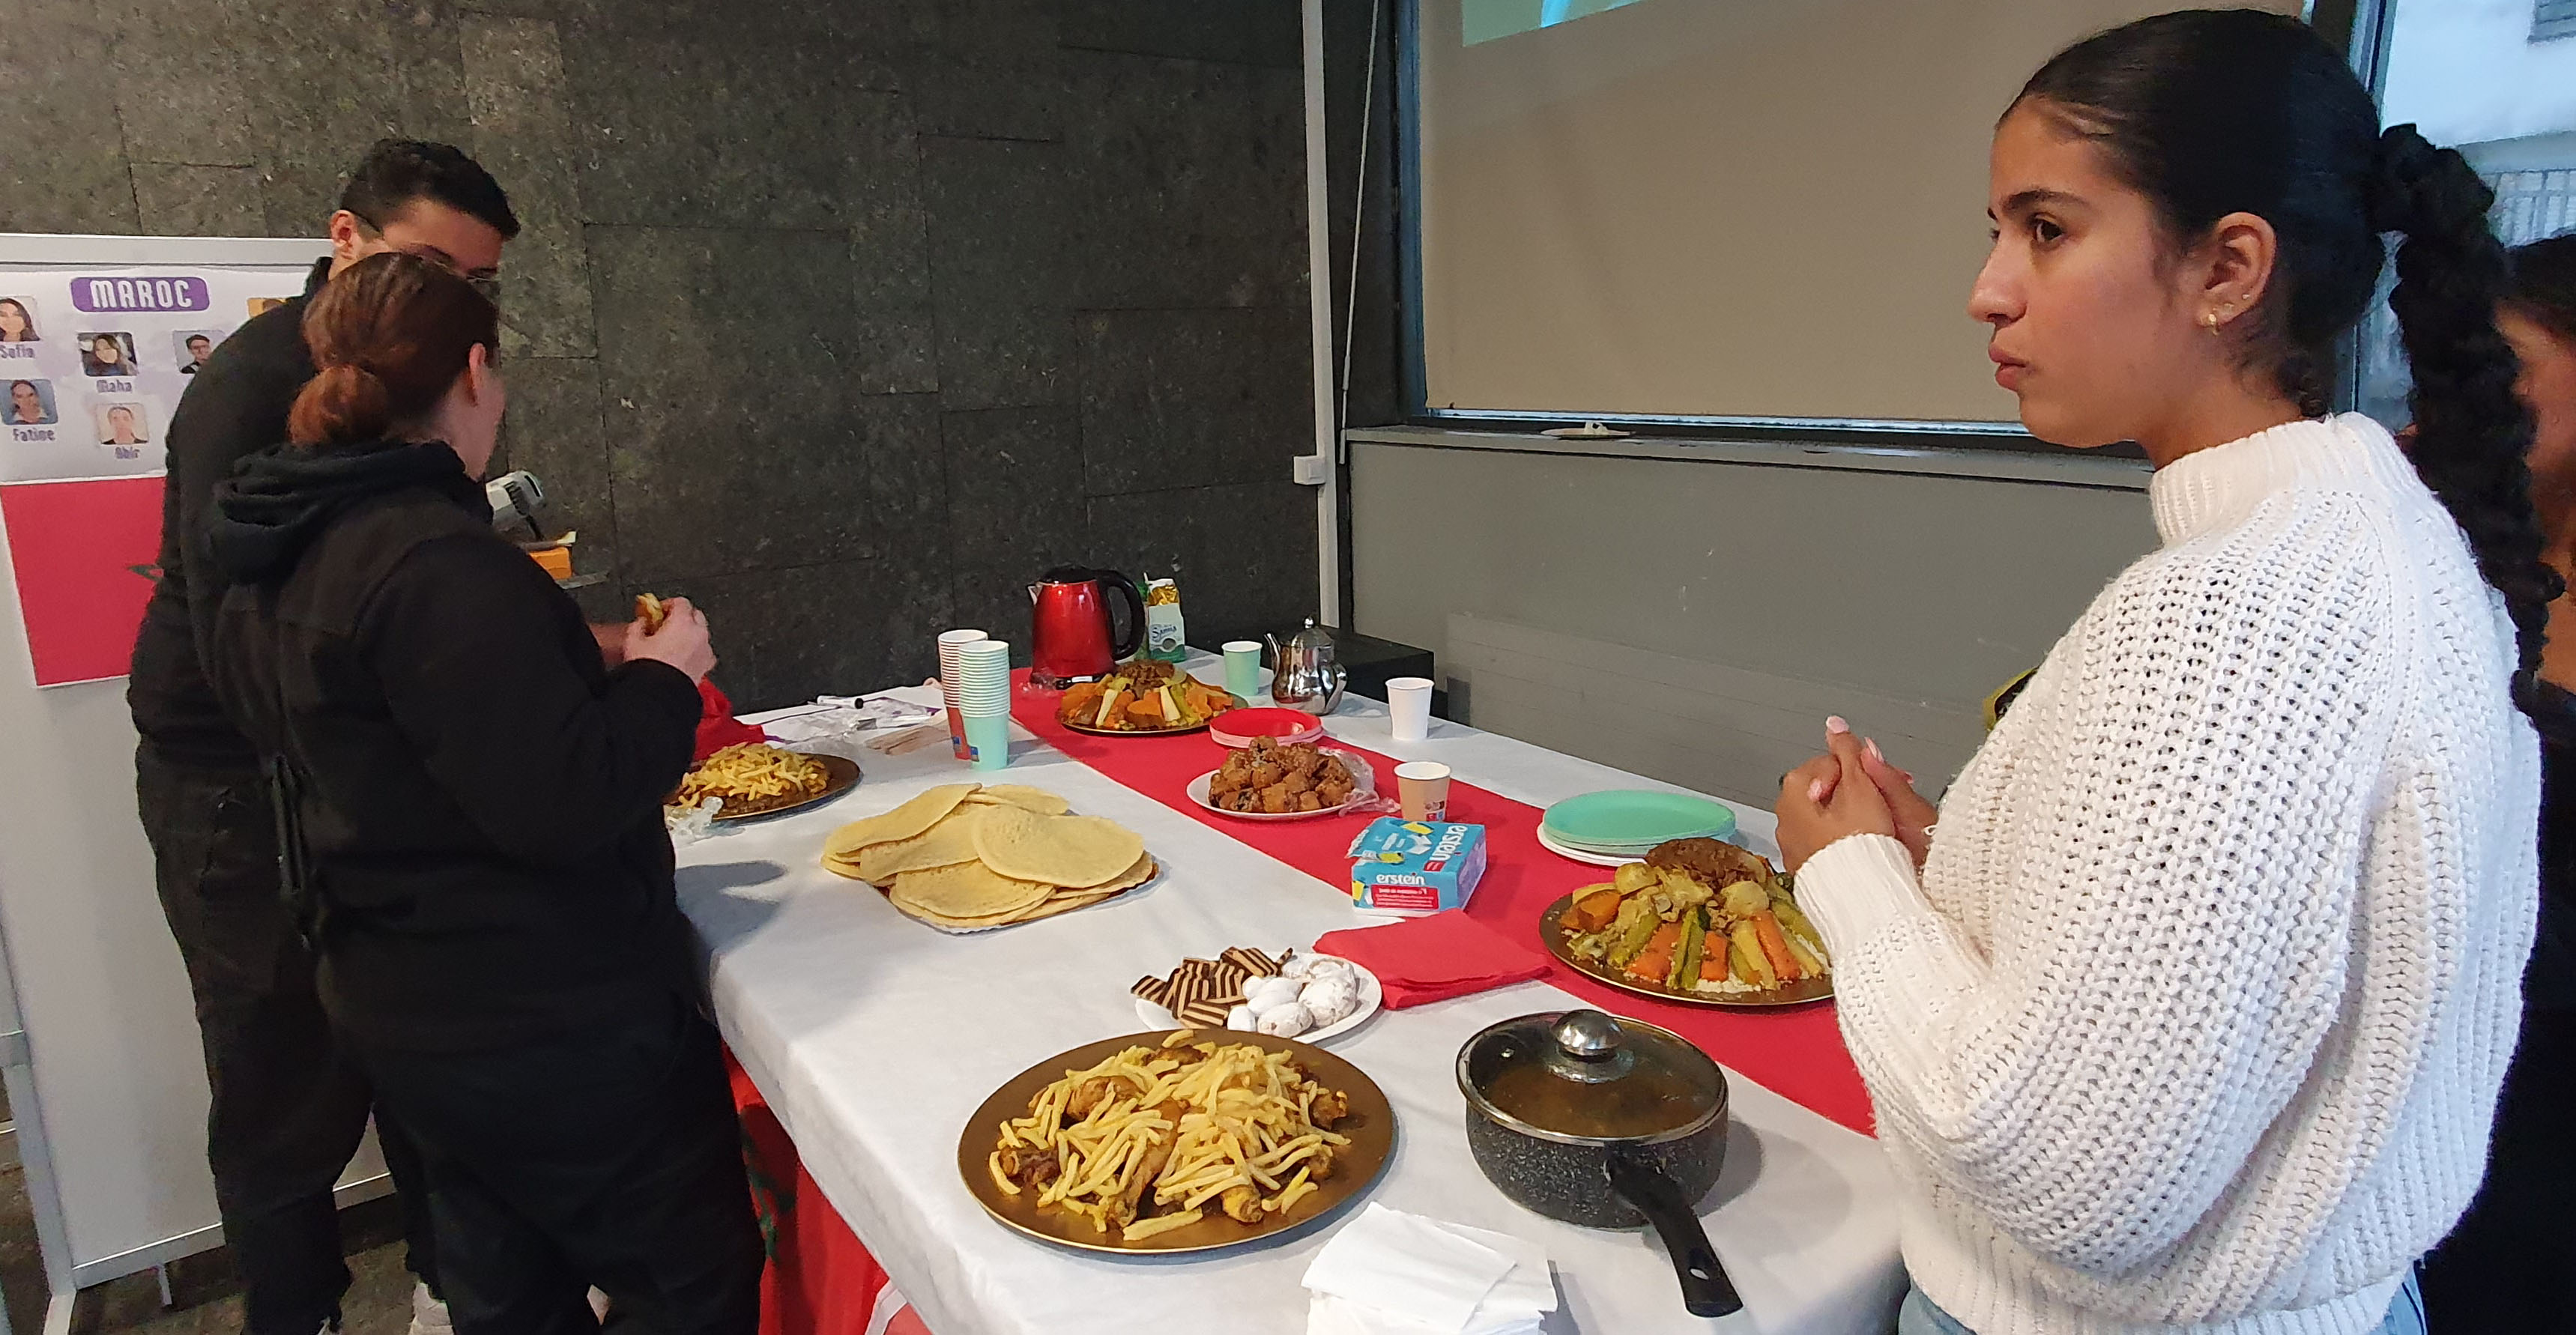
(2511, 1264)
(474, 798)
(2191, 1013)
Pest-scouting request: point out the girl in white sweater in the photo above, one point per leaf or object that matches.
(2192, 1014)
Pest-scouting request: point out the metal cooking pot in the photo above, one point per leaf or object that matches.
(1604, 1122)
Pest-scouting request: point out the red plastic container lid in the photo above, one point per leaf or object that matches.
(1237, 727)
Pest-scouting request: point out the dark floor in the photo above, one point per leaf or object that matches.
(207, 1296)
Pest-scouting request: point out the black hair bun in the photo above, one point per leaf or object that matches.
(2423, 191)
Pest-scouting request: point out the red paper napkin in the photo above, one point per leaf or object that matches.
(717, 727)
(1434, 958)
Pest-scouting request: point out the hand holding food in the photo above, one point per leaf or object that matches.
(672, 632)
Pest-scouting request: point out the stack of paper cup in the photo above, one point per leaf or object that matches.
(984, 701)
(950, 641)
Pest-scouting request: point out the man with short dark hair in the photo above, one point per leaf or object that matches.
(200, 348)
(288, 1104)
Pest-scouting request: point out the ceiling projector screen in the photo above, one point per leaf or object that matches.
(1716, 208)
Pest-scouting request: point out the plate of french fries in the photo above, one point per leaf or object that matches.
(757, 779)
(1176, 1141)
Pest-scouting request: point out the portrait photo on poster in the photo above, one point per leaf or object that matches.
(123, 423)
(107, 355)
(31, 403)
(193, 346)
(18, 320)
(263, 305)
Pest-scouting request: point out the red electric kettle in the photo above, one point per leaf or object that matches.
(1070, 637)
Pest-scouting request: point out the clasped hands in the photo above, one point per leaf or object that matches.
(1851, 789)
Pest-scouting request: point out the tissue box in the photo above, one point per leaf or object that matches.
(1415, 867)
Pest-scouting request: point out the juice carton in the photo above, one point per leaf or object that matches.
(1412, 867)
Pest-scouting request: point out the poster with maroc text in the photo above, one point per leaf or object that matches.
(93, 359)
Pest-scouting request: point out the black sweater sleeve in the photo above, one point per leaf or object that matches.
(476, 659)
(233, 409)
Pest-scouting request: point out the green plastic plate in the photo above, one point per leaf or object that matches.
(1634, 820)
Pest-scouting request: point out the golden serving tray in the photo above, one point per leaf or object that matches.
(844, 776)
(1090, 731)
(1551, 929)
(1371, 1127)
(1200, 726)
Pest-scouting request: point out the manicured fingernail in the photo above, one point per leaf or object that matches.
(1815, 790)
(1870, 748)
(1835, 725)
(1907, 775)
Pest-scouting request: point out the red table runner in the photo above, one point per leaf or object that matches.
(1797, 1052)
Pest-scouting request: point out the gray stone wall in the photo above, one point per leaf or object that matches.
(842, 317)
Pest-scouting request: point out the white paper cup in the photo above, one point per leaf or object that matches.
(984, 678)
(1422, 789)
(950, 675)
(1410, 699)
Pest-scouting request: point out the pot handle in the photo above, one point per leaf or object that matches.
(1706, 1290)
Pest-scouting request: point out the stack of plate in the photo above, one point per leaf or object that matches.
(1619, 825)
(1237, 727)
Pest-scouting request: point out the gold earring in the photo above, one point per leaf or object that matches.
(2209, 320)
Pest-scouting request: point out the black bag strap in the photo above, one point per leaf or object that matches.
(294, 862)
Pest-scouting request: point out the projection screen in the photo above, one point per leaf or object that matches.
(1716, 208)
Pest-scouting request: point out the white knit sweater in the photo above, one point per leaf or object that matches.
(2197, 1016)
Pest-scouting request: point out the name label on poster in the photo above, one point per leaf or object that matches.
(128, 452)
(106, 295)
(116, 387)
(10, 352)
(30, 434)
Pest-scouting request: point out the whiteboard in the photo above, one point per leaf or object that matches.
(112, 1051)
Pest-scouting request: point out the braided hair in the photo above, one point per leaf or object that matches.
(2544, 284)
(2217, 111)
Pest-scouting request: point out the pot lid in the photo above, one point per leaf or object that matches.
(1581, 1076)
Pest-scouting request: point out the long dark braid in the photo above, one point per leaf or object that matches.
(2216, 111)
(2471, 431)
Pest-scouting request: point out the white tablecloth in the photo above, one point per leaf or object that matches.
(874, 1037)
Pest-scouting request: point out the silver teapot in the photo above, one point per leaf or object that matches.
(1303, 674)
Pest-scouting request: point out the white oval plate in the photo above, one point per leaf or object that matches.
(1372, 996)
(1364, 790)
(1579, 855)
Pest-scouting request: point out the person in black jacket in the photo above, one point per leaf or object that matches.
(475, 799)
(2511, 1263)
(287, 1108)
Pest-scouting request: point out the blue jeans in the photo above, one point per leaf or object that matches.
(1920, 1317)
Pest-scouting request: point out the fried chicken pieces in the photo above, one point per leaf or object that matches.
(1276, 780)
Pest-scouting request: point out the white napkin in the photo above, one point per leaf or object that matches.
(1392, 1273)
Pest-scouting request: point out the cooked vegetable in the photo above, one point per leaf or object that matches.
(1654, 964)
(1694, 938)
(1600, 908)
(1766, 929)
(1696, 916)
(1637, 923)
(1810, 964)
(1747, 944)
(1793, 920)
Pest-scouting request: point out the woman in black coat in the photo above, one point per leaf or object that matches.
(475, 796)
